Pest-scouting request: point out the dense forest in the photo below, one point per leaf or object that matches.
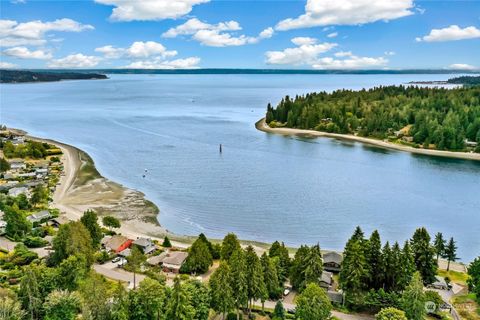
(435, 118)
(15, 76)
(465, 80)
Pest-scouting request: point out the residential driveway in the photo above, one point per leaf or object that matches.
(111, 271)
(6, 244)
(340, 315)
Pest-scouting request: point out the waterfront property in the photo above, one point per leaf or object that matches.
(170, 261)
(332, 261)
(116, 243)
(145, 244)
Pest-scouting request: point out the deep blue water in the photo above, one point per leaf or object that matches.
(262, 187)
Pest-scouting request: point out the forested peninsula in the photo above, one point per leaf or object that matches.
(428, 118)
(20, 76)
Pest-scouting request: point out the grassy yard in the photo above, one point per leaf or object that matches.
(455, 276)
(467, 307)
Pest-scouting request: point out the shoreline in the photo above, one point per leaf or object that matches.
(262, 126)
(81, 179)
(73, 187)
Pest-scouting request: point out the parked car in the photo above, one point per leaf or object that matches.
(116, 259)
(122, 262)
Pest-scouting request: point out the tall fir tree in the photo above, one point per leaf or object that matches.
(270, 277)
(238, 270)
(179, 306)
(354, 274)
(255, 284)
(413, 298)
(221, 290)
(374, 261)
(424, 255)
(439, 245)
(451, 252)
(229, 245)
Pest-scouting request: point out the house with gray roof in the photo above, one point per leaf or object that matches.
(39, 216)
(326, 280)
(332, 261)
(170, 261)
(145, 244)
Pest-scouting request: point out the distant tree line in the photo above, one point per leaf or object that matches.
(465, 80)
(440, 117)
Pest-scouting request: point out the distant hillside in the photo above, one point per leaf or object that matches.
(18, 76)
(467, 80)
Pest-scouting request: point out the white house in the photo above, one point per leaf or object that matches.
(15, 192)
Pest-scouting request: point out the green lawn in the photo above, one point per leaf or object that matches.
(455, 276)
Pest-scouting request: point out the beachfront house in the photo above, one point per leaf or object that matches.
(116, 243)
(145, 244)
(39, 217)
(332, 261)
(335, 296)
(326, 280)
(470, 144)
(15, 192)
(169, 261)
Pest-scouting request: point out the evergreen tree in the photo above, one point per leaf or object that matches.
(280, 253)
(179, 306)
(313, 303)
(413, 298)
(255, 284)
(407, 266)
(238, 271)
(439, 245)
(474, 277)
(374, 261)
(90, 221)
(199, 258)
(151, 297)
(229, 245)
(200, 299)
(424, 255)
(11, 309)
(387, 265)
(279, 311)
(17, 224)
(354, 273)
(451, 252)
(270, 277)
(313, 266)
(297, 269)
(214, 249)
(222, 293)
(166, 243)
(111, 222)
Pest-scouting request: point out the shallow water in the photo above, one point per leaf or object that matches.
(263, 187)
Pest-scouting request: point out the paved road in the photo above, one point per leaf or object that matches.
(111, 271)
(340, 315)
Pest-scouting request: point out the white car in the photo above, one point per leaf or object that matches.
(286, 292)
(116, 259)
(122, 262)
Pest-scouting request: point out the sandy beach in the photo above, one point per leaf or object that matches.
(262, 126)
(81, 187)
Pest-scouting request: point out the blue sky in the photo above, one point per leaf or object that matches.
(318, 34)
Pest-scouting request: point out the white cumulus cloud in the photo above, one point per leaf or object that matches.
(216, 35)
(451, 33)
(188, 63)
(148, 55)
(13, 33)
(350, 62)
(25, 53)
(462, 66)
(77, 60)
(7, 65)
(309, 53)
(347, 12)
(130, 10)
(306, 52)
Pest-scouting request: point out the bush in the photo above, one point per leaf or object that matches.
(34, 242)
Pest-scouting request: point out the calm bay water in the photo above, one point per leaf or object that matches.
(263, 187)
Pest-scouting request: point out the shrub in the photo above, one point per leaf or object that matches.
(34, 242)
